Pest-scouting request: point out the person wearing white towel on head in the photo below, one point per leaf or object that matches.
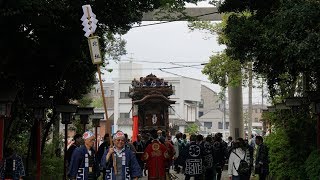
(83, 163)
(119, 161)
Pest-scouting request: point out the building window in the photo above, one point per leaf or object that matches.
(220, 125)
(171, 110)
(201, 103)
(207, 125)
(124, 115)
(174, 90)
(124, 95)
(112, 93)
(200, 113)
(256, 120)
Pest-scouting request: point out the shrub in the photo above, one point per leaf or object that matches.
(312, 165)
(52, 164)
(290, 144)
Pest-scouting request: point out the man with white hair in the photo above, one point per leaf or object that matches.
(83, 163)
(119, 161)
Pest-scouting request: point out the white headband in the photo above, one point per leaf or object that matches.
(87, 135)
(118, 135)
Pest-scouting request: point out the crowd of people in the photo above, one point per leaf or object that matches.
(156, 152)
(149, 82)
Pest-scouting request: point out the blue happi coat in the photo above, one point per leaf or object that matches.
(79, 164)
(130, 166)
(15, 171)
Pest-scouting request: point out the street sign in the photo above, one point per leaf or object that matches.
(95, 49)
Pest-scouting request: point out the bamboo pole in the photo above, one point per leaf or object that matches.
(107, 126)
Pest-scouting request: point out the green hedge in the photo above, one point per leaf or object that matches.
(52, 165)
(290, 145)
(313, 165)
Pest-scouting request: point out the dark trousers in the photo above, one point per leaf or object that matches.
(241, 177)
(219, 172)
(196, 177)
(236, 178)
(262, 176)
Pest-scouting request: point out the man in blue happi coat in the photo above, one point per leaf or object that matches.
(83, 165)
(120, 162)
(12, 166)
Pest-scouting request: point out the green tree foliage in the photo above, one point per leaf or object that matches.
(282, 37)
(86, 101)
(222, 69)
(221, 66)
(97, 102)
(291, 142)
(192, 128)
(313, 165)
(52, 163)
(43, 51)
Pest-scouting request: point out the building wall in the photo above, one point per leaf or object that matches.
(182, 129)
(190, 89)
(175, 82)
(185, 89)
(107, 87)
(190, 112)
(211, 112)
(209, 98)
(215, 117)
(256, 114)
(129, 71)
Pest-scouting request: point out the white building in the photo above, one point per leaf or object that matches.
(186, 94)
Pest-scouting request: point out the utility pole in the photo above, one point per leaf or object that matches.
(224, 111)
(250, 101)
(262, 93)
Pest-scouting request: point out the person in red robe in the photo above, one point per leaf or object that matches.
(171, 152)
(156, 157)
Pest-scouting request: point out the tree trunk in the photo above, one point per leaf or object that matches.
(45, 134)
(235, 111)
(56, 128)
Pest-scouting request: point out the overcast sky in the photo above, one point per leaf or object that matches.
(172, 43)
(169, 43)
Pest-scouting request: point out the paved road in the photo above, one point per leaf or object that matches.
(181, 176)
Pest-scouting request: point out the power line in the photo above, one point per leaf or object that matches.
(180, 19)
(183, 76)
(163, 62)
(174, 67)
(186, 65)
(175, 112)
(183, 66)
